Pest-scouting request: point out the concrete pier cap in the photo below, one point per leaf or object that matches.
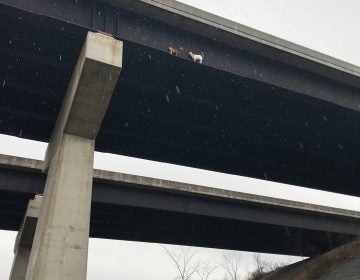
(101, 63)
(89, 91)
(60, 246)
(104, 48)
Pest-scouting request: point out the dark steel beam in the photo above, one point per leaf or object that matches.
(218, 116)
(170, 212)
(134, 27)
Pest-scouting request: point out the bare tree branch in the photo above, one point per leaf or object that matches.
(231, 264)
(262, 267)
(184, 261)
(206, 271)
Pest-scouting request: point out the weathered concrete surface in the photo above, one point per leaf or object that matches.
(20, 263)
(24, 239)
(342, 263)
(90, 90)
(61, 241)
(60, 246)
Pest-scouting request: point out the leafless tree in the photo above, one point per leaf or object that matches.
(232, 266)
(184, 262)
(206, 271)
(261, 267)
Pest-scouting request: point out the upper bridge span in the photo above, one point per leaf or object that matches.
(258, 106)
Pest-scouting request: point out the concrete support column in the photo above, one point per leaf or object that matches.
(24, 239)
(60, 246)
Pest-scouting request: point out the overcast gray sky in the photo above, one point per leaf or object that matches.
(328, 26)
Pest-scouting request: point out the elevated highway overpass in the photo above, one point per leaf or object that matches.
(258, 106)
(86, 75)
(136, 208)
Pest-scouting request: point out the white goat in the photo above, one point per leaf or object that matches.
(197, 57)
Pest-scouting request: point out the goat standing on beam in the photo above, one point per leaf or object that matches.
(196, 57)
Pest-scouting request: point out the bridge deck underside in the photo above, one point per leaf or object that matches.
(150, 225)
(136, 213)
(170, 109)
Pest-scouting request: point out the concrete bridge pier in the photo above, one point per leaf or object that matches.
(60, 246)
(24, 239)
